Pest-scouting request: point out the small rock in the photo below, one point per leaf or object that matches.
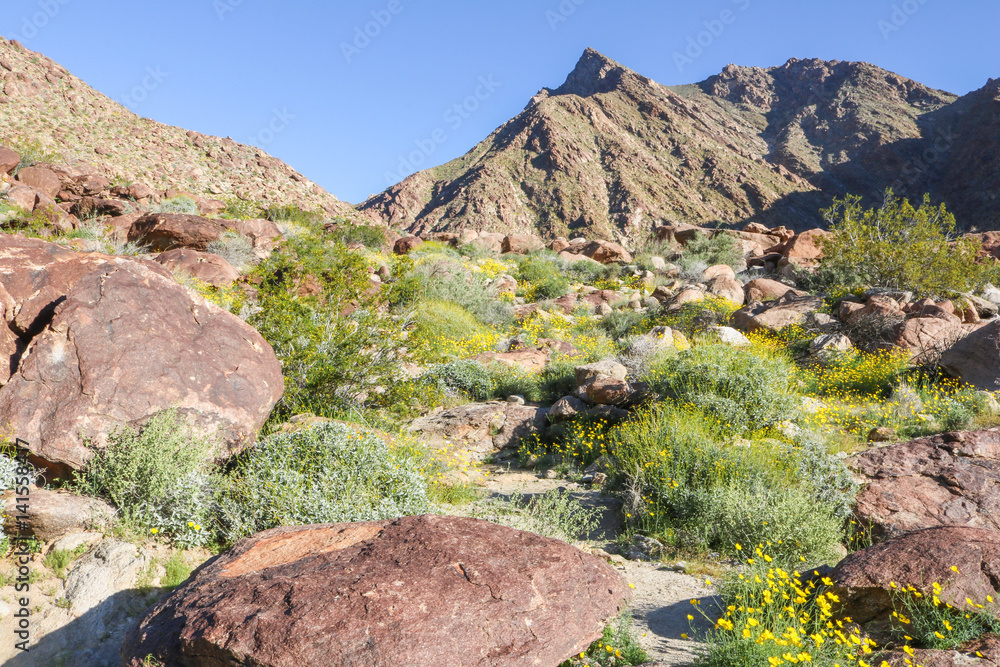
(515, 399)
(882, 434)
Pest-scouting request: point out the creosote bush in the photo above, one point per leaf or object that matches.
(330, 473)
(897, 246)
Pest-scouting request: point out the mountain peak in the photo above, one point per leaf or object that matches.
(594, 73)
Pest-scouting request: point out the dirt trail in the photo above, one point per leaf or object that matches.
(663, 597)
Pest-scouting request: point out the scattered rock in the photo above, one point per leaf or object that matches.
(730, 336)
(428, 590)
(480, 429)
(41, 179)
(606, 252)
(882, 434)
(566, 408)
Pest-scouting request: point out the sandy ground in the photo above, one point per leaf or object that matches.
(662, 597)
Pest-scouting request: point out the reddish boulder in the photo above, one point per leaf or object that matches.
(407, 244)
(133, 191)
(529, 361)
(763, 289)
(41, 179)
(521, 244)
(209, 268)
(606, 252)
(418, 591)
(166, 231)
(112, 341)
(728, 288)
(963, 561)
(559, 244)
(8, 160)
(975, 358)
(926, 338)
(23, 197)
(776, 315)
(264, 233)
(806, 247)
(949, 479)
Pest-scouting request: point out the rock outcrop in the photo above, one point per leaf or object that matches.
(951, 479)
(427, 590)
(95, 342)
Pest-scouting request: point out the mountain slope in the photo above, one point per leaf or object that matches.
(42, 102)
(610, 152)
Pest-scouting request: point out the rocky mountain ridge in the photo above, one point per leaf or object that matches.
(611, 153)
(46, 108)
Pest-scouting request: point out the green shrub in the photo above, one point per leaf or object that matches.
(746, 390)
(241, 209)
(180, 204)
(236, 249)
(159, 479)
(617, 646)
(32, 152)
(555, 514)
(541, 278)
(705, 251)
(176, 570)
(469, 377)
(623, 324)
(897, 246)
(336, 344)
(695, 316)
(327, 474)
(370, 236)
(681, 476)
(444, 331)
(449, 281)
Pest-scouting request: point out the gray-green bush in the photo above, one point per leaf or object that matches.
(180, 204)
(158, 478)
(330, 473)
(746, 391)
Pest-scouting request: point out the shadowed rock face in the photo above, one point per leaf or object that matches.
(948, 479)
(427, 590)
(101, 341)
(610, 152)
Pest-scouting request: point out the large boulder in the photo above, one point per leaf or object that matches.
(480, 429)
(775, 315)
(963, 562)
(428, 590)
(204, 266)
(606, 252)
(521, 244)
(926, 339)
(406, 245)
(166, 231)
(108, 341)
(41, 179)
(949, 479)
(763, 289)
(975, 358)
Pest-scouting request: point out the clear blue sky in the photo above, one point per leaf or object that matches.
(226, 66)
